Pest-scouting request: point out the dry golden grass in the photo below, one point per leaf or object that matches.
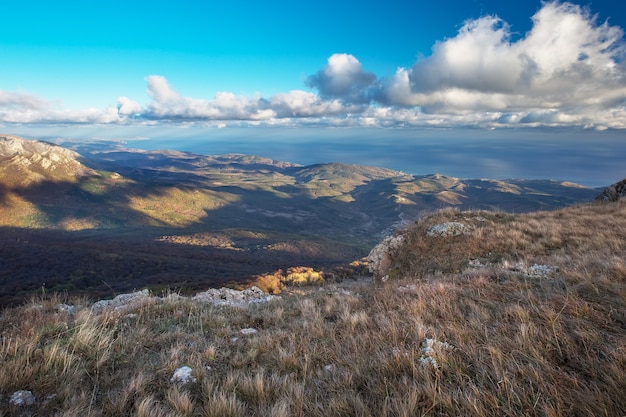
(510, 344)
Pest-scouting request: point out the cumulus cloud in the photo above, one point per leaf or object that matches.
(566, 68)
(128, 107)
(168, 104)
(343, 78)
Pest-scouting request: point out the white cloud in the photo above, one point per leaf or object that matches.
(343, 77)
(170, 105)
(299, 103)
(20, 107)
(128, 107)
(567, 69)
(20, 100)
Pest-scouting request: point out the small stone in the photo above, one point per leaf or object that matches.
(475, 263)
(22, 398)
(249, 331)
(183, 375)
(65, 308)
(429, 361)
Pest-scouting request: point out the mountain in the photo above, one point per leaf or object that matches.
(26, 162)
(98, 219)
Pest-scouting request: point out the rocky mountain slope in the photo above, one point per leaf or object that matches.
(25, 162)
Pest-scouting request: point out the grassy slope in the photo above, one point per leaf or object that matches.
(518, 345)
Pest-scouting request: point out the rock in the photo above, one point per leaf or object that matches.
(407, 288)
(227, 296)
(37, 160)
(429, 348)
(248, 331)
(475, 263)
(122, 301)
(183, 375)
(539, 271)
(221, 296)
(448, 229)
(65, 308)
(613, 192)
(22, 398)
(381, 257)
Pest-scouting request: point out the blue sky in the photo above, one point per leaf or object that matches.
(120, 69)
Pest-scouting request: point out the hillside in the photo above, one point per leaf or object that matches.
(473, 313)
(102, 219)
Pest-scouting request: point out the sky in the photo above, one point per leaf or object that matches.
(193, 75)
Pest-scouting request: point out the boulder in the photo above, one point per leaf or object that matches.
(381, 257)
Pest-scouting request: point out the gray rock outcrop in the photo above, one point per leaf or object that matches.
(36, 161)
(122, 301)
(381, 257)
(448, 229)
(227, 296)
(221, 296)
(613, 192)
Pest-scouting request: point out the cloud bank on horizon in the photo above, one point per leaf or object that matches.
(568, 70)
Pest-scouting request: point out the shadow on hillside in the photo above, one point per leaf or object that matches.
(132, 250)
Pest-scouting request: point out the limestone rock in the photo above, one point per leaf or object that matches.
(539, 271)
(121, 301)
(381, 257)
(613, 192)
(183, 375)
(32, 161)
(227, 296)
(448, 229)
(66, 308)
(22, 398)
